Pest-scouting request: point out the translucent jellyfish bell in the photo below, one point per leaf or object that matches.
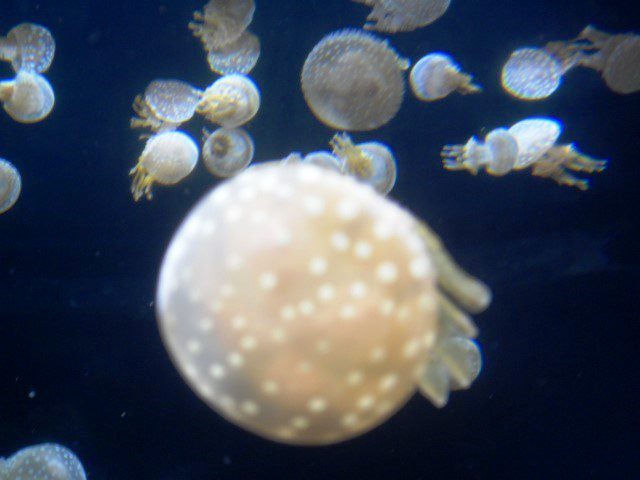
(167, 159)
(231, 101)
(239, 56)
(28, 98)
(531, 74)
(498, 154)
(222, 22)
(47, 461)
(325, 159)
(503, 149)
(353, 80)
(29, 47)
(437, 75)
(10, 185)
(403, 15)
(318, 328)
(227, 151)
(534, 136)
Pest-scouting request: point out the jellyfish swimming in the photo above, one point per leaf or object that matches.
(29, 47)
(10, 185)
(28, 98)
(352, 80)
(318, 328)
(167, 158)
(230, 101)
(403, 15)
(532, 74)
(47, 461)
(222, 22)
(165, 105)
(371, 162)
(227, 151)
(437, 75)
(239, 56)
(534, 137)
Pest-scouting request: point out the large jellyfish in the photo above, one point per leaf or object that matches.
(403, 15)
(29, 47)
(28, 98)
(305, 307)
(47, 461)
(10, 185)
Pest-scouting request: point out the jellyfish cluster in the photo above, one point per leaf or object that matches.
(47, 461)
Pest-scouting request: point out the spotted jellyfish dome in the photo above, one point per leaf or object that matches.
(534, 137)
(47, 461)
(353, 80)
(10, 185)
(403, 15)
(35, 47)
(298, 303)
(172, 101)
(531, 74)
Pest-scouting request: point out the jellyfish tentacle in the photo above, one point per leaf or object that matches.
(141, 183)
(355, 159)
(464, 82)
(558, 161)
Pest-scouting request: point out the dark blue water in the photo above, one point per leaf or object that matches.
(558, 397)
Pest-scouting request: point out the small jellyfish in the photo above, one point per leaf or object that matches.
(353, 80)
(239, 56)
(403, 15)
(534, 136)
(532, 74)
(166, 105)
(372, 163)
(10, 185)
(28, 98)
(222, 22)
(28, 47)
(167, 158)
(321, 326)
(498, 154)
(325, 159)
(48, 461)
(231, 101)
(437, 75)
(227, 151)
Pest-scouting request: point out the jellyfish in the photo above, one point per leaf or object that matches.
(532, 74)
(534, 137)
(10, 185)
(47, 461)
(403, 15)
(29, 47)
(498, 154)
(353, 80)
(372, 162)
(437, 75)
(166, 105)
(222, 22)
(230, 101)
(28, 98)
(167, 158)
(325, 159)
(306, 308)
(239, 56)
(227, 151)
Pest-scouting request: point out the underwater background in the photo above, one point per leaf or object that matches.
(81, 359)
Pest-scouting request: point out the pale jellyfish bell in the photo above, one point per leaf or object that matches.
(167, 159)
(239, 56)
(497, 155)
(532, 74)
(535, 136)
(305, 307)
(230, 101)
(222, 22)
(437, 75)
(352, 80)
(29, 47)
(28, 98)
(324, 159)
(10, 185)
(403, 15)
(47, 461)
(227, 151)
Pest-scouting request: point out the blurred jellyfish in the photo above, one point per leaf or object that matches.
(167, 159)
(534, 136)
(372, 163)
(28, 98)
(231, 101)
(47, 461)
(239, 56)
(227, 151)
(166, 105)
(222, 22)
(325, 159)
(498, 154)
(437, 75)
(10, 185)
(353, 80)
(318, 328)
(28, 47)
(403, 15)
(532, 74)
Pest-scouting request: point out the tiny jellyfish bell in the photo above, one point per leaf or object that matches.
(437, 75)
(29, 47)
(230, 101)
(167, 159)
(531, 74)
(28, 98)
(227, 151)
(318, 328)
(352, 80)
(403, 15)
(48, 461)
(222, 22)
(10, 185)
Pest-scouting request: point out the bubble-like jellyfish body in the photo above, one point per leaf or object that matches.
(28, 98)
(372, 162)
(222, 22)
(10, 185)
(239, 56)
(437, 75)
(29, 47)
(403, 15)
(320, 327)
(352, 80)
(534, 136)
(231, 101)
(532, 74)
(497, 155)
(227, 151)
(325, 159)
(48, 461)
(167, 158)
